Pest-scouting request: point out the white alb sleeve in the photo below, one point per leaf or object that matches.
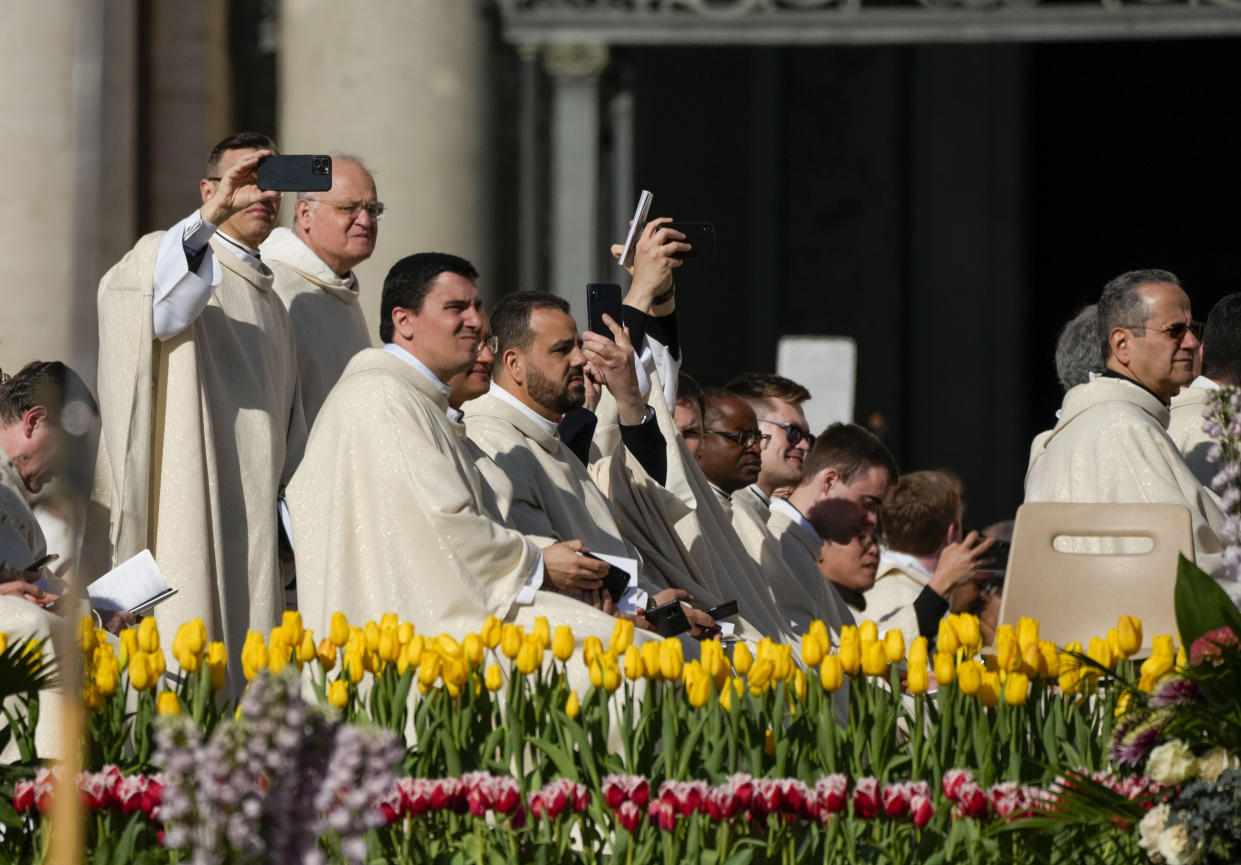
(181, 294)
(667, 367)
(526, 594)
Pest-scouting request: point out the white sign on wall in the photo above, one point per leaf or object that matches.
(827, 367)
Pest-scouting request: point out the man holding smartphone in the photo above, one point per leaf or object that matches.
(202, 416)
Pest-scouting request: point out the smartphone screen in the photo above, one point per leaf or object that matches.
(635, 228)
(601, 298)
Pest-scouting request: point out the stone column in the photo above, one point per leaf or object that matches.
(403, 85)
(575, 253)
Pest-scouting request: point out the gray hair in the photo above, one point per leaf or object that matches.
(338, 157)
(1077, 352)
(1121, 306)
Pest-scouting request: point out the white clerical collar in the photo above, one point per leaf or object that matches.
(1205, 383)
(719, 492)
(907, 563)
(404, 355)
(240, 248)
(548, 426)
(759, 494)
(455, 414)
(782, 506)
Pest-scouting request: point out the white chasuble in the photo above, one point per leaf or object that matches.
(1111, 445)
(200, 432)
(800, 588)
(21, 538)
(1185, 427)
(390, 515)
(328, 324)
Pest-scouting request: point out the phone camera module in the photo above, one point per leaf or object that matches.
(320, 165)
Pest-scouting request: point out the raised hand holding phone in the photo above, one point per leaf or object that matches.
(613, 363)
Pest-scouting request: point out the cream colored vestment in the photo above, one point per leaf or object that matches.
(328, 325)
(890, 601)
(200, 431)
(1185, 428)
(802, 590)
(21, 538)
(390, 515)
(1111, 445)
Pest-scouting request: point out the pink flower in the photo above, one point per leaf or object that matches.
(447, 793)
(664, 812)
(866, 797)
(127, 792)
(971, 801)
(1209, 647)
(628, 815)
(415, 795)
(722, 803)
(953, 780)
(95, 789)
(795, 795)
(686, 796)
(23, 796)
(921, 809)
(152, 795)
(619, 788)
(830, 793)
(505, 795)
(389, 805)
(742, 785)
(895, 798)
(558, 796)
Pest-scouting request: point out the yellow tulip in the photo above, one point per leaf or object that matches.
(1157, 666)
(799, 684)
(818, 630)
(874, 658)
(1130, 631)
(217, 662)
(831, 673)
(306, 651)
(148, 635)
(389, 620)
(472, 648)
(291, 621)
(894, 646)
(633, 663)
(868, 630)
(1100, 651)
(622, 636)
(338, 633)
(1123, 704)
(782, 659)
(760, 675)
(356, 641)
(448, 647)
(157, 662)
(389, 647)
(969, 632)
(168, 704)
(572, 707)
(353, 665)
(4, 643)
(491, 632)
(542, 632)
(769, 742)
(1163, 645)
(140, 675)
(849, 633)
(1007, 649)
(611, 671)
(371, 631)
(742, 659)
(196, 636)
(918, 652)
(1050, 667)
(1027, 633)
(1016, 689)
(919, 678)
(454, 673)
(1032, 663)
(563, 644)
(128, 639)
(107, 672)
(338, 694)
(429, 669)
(811, 650)
(713, 659)
(945, 668)
(187, 659)
(698, 690)
(671, 659)
(1182, 660)
(405, 632)
(494, 678)
(511, 637)
(86, 638)
(1113, 643)
(947, 640)
(529, 655)
(592, 647)
(989, 689)
(650, 659)
(969, 676)
(414, 649)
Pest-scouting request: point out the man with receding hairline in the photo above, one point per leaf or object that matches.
(776, 402)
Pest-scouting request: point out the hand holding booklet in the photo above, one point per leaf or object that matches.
(136, 585)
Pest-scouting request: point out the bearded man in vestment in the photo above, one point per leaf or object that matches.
(202, 418)
(390, 513)
(333, 232)
(1111, 443)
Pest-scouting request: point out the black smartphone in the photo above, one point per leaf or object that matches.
(601, 298)
(996, 561)
(723, 611)
(296, 173)
(43, 562)
(668, 620)
(616, 581)
(699, 235)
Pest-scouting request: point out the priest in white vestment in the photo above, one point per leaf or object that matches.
(777, 403)
(202, 418)
(333, 232)
(1111, 443)
(389, 512)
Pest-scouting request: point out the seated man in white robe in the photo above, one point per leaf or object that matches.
(1221, 367)
(388, 508)
(1111, 443)
(777, 402)
(850, 568)
(333, 232)
(202, 417)
(926, 559)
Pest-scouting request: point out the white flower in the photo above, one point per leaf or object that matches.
(1172, 763)
(1215, 762)
(1177, 848)
(1150, 829)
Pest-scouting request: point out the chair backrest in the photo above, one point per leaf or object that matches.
(1081, 594)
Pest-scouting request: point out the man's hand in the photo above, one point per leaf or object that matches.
(958, 564)
(613, 362)
(569, 570)
(601, 599)
(26, 591)
(702, 626)
(593, 383)
(238, 189)
(653, 262)
(115, 621)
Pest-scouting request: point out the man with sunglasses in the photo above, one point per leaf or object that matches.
(1111, 443)
(776, 401)
(333, 232)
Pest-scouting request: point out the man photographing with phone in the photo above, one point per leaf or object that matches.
(202, 417)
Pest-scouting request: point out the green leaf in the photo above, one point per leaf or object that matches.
(1201, 605)
(124, 852)
(565, 763)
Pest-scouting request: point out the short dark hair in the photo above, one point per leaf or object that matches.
(409, 281)
(1077, 349)
(48, 383)
(849, 449)
(919, 510)
(237, 141)
(689, 391)
(765, 386)
(510, 320)
(1221, 342)
(1120, 305)
(712, 397)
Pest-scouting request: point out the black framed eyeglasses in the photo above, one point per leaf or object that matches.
(744, 440)
(795, 434)
(1176, 332)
